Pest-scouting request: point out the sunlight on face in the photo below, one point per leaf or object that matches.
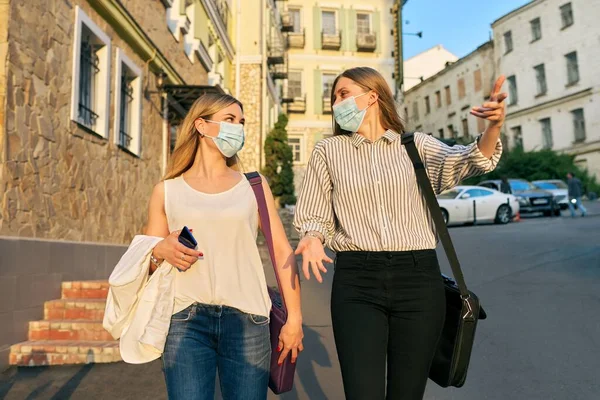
(232, 114)
(346, 88)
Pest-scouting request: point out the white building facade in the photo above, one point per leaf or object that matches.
(426, 64)
(440, 105)
(550, 51)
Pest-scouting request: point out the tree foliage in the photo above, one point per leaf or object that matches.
(278, 163)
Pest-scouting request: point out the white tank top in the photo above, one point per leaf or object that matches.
(225, 225)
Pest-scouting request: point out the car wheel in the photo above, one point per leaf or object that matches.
(503, 214)
(557, 212)
(446, 217)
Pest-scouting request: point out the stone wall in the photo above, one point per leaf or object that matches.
(60, 181)
(250, 96)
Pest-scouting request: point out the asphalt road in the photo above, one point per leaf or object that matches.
(539, 281)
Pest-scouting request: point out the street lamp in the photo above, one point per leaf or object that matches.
(160, 79)
(419, 34)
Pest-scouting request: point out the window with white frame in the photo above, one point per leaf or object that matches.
(536, 29)
(295, 84)
(517, 136)
(128, 104)
(363, 23)
(578, 125)
(547, 141)
(329, 23)
(295, 143)
(540, 78)
(296, 19)
(508, 42)
(572, 68)
(90, 90)
(513, 97)
(566, 14)
(327, 80)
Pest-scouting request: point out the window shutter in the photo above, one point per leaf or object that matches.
(351, 36)
(318, 92)
(375, 27)
(317, 27)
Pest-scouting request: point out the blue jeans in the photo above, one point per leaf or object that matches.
(205, 338)
(579, 205)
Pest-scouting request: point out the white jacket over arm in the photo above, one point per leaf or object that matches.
(139, 306)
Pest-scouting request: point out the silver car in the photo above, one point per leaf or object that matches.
(559, 190)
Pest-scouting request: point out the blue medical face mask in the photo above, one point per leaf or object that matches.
(347, 114)
(230, 139)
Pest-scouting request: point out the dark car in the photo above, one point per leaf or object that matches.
(531, 199)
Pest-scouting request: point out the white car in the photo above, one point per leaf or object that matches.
(559, 190)
(465, 204)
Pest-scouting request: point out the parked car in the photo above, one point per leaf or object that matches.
(558, 188)
(531, 199)
(490, 205)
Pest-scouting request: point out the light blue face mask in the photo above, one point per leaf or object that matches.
(347, 114)
(230, 139)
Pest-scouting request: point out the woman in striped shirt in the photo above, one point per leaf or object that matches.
(361, 199)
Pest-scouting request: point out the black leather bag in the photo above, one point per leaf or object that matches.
(451, 360)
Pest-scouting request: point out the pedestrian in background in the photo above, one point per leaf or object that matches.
(505, 185)
(575, 193)
(360, 198)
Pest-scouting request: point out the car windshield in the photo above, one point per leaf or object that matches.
(449, 194)
(551, 185)
(521, 186)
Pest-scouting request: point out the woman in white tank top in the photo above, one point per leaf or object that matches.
(220, 320)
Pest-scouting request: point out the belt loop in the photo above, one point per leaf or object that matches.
(367, 255)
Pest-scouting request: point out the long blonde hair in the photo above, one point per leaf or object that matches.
(188, 139)
(371, 79)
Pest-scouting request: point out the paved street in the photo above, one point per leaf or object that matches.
(539, 281)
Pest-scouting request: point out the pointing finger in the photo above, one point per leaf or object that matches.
(498, 85)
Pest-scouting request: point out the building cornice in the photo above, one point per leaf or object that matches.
(119, 18)
(516, 11)
(550, 103)
(213, 14)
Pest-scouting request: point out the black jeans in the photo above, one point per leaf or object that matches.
(387, 307)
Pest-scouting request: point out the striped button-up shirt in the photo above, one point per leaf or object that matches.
(364, 196)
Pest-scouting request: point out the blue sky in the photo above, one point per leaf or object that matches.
(459, 25)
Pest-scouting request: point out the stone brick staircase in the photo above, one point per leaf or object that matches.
(71, 332)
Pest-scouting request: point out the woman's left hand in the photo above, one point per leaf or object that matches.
(493, 110)
(290, 340)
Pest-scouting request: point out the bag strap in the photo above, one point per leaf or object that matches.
(265, 223)
(408, 140)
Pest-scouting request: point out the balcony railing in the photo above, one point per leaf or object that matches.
(279, 71)
(366, 41)
(296, 40)
(276, 48)
(287, 23)
(331, 41)
(296, 105)
(326, 104)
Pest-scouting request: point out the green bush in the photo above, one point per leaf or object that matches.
(537, 165)
(278, 163)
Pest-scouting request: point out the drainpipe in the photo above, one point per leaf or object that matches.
(165, 133)
(263, 101)
(238, 46)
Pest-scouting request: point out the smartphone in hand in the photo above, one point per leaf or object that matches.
(187, 239)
